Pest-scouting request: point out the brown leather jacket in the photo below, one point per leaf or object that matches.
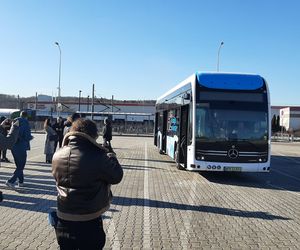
(83, 174)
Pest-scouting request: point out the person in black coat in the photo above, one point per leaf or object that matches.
(107, 134)
(4, 130)
(58, 126)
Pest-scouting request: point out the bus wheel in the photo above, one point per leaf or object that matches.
(178, 165)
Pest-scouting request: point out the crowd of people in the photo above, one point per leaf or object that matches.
(83, 169)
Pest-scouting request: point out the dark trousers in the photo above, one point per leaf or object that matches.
(20, 157)
(3, 153)
(59, 143)
(107, 145)
(80, 235)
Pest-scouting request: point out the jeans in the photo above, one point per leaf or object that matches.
(20, 157)
(80, 235)
(49, 157)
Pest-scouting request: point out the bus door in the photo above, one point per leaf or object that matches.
(183, 135)
(156, 128)
(164, 133)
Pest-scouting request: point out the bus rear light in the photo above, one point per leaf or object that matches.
(214, 167)
(198, 166)
(209, 167)
(218, 167)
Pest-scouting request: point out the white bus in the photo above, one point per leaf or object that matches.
(216, 122)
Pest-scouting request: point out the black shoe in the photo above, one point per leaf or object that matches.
(1, 196)
(2, 160)
(10, 185)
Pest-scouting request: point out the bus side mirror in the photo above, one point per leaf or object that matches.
(186, 96)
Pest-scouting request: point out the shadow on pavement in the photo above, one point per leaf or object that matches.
(126, 201)
(152, 160)
(33, 184)
(137, 167)
(39, 164)
(284, 175)
(28, 203)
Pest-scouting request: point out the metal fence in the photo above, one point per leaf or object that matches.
(131, 128)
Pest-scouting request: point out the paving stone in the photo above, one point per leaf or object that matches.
(157, 206)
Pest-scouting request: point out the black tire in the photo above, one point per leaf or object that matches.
(178, 165)
(158, 145)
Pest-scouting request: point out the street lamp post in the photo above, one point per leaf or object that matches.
(79, 100)
(88, 103)
(59, 75)
(218, 63)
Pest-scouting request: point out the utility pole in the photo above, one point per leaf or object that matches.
(218, 61)
(79, 100)
(93, 99)
(88, 104)
(36, 101)
(18, 104)
(112, 103)
(59, 76)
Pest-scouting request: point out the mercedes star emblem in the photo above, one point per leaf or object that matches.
(233, 153)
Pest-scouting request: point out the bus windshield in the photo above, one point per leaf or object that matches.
(228, 121)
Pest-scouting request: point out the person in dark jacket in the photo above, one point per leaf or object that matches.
(69, 121)
(58, 126)
(107, 134)
(19, 150)
(9, 140)
(4, 130)
(84, 172)
(49, 142)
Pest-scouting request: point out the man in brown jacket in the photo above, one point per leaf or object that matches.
(84, 172)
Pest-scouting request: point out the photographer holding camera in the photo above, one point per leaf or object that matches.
(84, 172)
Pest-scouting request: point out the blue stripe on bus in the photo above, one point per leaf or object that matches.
(230, 81)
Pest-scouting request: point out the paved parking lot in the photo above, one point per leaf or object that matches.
(157, 206)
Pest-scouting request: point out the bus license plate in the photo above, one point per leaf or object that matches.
(237, 169)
